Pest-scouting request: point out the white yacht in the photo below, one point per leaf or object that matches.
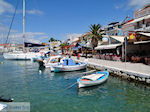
(21, 55)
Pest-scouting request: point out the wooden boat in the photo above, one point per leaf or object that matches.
(69, 65)
(93, 79)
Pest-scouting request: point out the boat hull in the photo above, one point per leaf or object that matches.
(51, 66)
(20, 56)
(62, 68)
(82, 84)
(2, 106)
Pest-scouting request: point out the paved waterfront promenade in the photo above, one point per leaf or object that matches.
(132, 69)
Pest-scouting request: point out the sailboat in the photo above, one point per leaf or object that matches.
(21, 55)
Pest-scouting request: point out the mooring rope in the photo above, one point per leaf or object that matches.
(12, 21)
(71, 85)
(68, 87)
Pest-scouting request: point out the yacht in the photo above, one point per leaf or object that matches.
(21, 55)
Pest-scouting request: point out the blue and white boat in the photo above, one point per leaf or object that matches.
(93, 79)
(69, 65)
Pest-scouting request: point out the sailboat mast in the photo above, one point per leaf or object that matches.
(24, 21)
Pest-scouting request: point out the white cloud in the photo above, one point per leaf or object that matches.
(138, 3)
(5, 7)
(34, 12)
(72, 36)
(29, 37)
(16, 37)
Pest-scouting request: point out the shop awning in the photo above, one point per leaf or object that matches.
(146, 34)
(111, 46)
(118, 38)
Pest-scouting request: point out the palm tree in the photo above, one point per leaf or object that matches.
(95, 30)
(95, 35)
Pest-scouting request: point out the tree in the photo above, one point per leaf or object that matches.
(95, 36)
(95, 30)
(52, 39)
(62, 45)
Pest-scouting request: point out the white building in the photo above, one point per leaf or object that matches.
(141, 21)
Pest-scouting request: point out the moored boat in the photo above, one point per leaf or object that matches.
(2, 106)
(93, 79)
(69, 65)
(20, 55)
(52, 61)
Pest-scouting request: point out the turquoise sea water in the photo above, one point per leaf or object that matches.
(47, 91)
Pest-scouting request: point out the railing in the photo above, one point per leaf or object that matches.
(142, 29)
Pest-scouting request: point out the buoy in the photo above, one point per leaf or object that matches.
(40, 71)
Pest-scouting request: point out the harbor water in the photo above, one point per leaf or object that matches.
(52, 92)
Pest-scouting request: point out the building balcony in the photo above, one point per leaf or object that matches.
(143, 29)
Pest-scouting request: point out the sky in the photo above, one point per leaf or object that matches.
(61, 19)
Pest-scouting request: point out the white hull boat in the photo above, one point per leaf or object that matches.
(2, 106)
(69, 66)
(17, 55)
(61, 68)
(53, 61)
(20, 55)
(93, 79)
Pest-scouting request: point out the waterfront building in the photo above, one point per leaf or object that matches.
(10, 47)
(54, 44)
(113, 28)
(110, 48)
(140, 23)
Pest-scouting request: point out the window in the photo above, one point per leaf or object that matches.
(147, 24)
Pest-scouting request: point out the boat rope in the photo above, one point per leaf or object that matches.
(12, 21)
(86, 72)
(70, 86)
(80, 74)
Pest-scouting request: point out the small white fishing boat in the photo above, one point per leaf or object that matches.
(52, 61)
(93, 79)
(2, 106)
(69, 65)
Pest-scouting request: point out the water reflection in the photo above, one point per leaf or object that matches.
(90, 91)
(22, 81)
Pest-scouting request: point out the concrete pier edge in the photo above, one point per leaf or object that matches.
(123, 73)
